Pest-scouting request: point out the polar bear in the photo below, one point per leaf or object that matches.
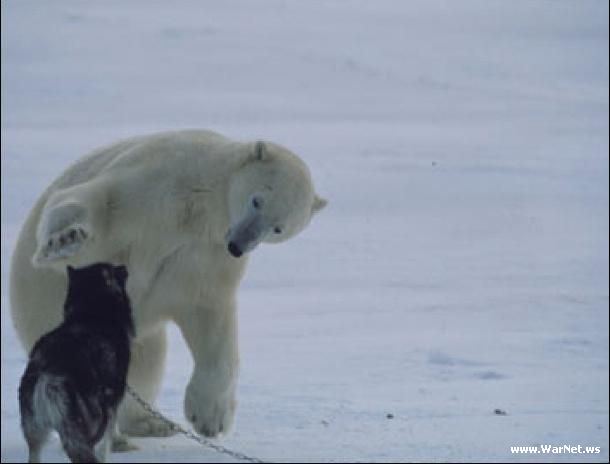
(180, 210)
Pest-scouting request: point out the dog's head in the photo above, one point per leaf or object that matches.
(99, 288)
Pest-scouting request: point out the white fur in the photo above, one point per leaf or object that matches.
(166, 206)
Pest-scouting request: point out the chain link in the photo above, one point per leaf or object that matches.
(188, 433)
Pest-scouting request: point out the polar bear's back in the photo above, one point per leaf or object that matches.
(133, 149)
(28, 284)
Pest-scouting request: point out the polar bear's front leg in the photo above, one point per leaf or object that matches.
(209, 403)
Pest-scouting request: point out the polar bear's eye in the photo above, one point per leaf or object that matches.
(256, 203)
(277, 230)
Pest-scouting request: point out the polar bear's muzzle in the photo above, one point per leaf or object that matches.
(245, 235)
(234, 249)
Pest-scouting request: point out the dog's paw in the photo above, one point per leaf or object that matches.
(120, 444)
(148, 426)
(62, 244)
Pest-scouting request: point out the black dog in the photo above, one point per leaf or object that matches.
(77, 374)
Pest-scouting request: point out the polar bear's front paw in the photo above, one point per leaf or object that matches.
(62, 244)
(209, 415)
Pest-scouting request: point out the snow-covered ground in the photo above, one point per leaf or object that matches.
(462, 264)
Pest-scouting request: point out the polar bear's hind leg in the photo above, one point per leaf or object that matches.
(145, 375)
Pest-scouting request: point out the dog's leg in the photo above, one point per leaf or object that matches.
(77, 448)
(104, 445)
(35, 436)
(81, 453)
(76, 438)
(145, 376)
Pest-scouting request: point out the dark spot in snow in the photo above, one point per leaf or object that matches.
(443, 359)
(500, 412)
(489, 375)
(389, 416)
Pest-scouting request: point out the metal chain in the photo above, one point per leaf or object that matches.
(188, 433)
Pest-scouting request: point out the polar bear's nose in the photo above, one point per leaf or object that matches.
(234, 250)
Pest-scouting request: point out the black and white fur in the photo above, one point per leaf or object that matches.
(77, 373)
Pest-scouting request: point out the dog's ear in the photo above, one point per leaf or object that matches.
(120, 272)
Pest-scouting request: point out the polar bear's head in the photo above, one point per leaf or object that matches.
(271, 198)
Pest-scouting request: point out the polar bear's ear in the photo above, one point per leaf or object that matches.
(318, 204)
(260, 151)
